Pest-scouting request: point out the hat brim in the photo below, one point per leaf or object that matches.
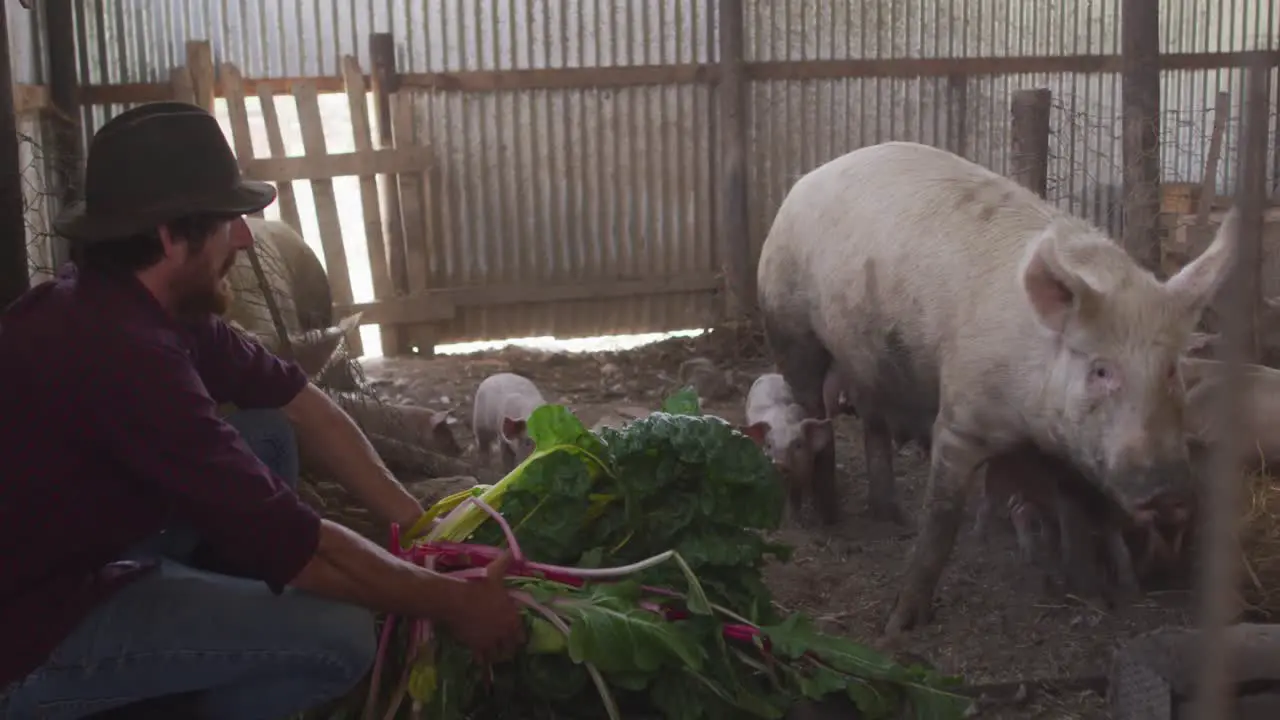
(76, 224)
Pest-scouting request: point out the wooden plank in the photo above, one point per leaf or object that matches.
(335, 254)
(382, 82)
(359, 107)
(1029, 139)
(203, 80)
(286, 199)
(180, 87)
(439, 305)
(29, 98)
(15, 273)
(1209, 182)
(620, 77)
(1140, 95)
(241, 138)
(328, 167)
(734, 241)
(412, 196)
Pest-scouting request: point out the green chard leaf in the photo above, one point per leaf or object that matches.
(682, 402)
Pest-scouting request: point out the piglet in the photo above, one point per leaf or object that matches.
(790, 439)
(1064, 525)
(503, 404)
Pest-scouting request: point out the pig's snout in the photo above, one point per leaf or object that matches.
(1160, 493)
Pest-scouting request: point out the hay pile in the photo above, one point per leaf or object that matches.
(1260, 545)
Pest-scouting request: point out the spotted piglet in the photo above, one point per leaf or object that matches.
(503, 404)
(790, 438)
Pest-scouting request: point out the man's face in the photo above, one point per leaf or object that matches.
(198, 279)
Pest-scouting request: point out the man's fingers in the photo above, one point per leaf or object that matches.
(498, 568)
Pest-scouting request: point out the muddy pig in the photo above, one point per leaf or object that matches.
(790, 439)
(502, 407)
(406, 423)
(960, 306)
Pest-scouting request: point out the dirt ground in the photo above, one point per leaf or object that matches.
(994, 622)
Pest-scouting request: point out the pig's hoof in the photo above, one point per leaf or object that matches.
(909, 612)
(887, 512)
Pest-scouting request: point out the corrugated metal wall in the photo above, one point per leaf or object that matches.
(554, 186)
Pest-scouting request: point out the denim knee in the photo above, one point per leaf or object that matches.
(270, 436)
(347, 634)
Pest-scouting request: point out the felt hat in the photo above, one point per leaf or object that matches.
(153, 164)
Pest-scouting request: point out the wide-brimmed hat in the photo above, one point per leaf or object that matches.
(153, 164)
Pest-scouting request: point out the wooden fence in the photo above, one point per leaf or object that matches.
(415, 232)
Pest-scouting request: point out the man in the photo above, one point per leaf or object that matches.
(145, 551)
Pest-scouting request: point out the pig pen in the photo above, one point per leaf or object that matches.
(994, 625)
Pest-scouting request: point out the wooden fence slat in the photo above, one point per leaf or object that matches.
(180, 85)
(285, 196)
(440, 304)
(362, 163)
(359, 106)
(241, 139)
(412, 195)
(200, 66)
(326, 204)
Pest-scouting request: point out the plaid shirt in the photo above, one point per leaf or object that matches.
(112, 434)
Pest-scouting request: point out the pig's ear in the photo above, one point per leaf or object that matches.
(1055, 290)
(312, 351)
(818, 432)
(512, 427)
(1201, 341)
(1198, 281)
(756, 431)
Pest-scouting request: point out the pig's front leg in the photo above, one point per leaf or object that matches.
(955, 457)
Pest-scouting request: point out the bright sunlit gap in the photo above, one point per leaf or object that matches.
(339, 138)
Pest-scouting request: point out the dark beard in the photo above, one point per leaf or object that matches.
(197, 302)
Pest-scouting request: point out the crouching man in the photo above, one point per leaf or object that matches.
(152, 552)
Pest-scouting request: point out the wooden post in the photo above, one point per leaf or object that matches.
(958, 114)
(1215, 690)
(200, 66)
(1029, 139)
(735, 242)
(15, 271)
(1209, 182)
(65, 163)
(384, 81)
(1275, 142)
(1140, 90)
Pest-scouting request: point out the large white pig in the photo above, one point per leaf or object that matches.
(960, 307)
(1257, 420)
(300, 287)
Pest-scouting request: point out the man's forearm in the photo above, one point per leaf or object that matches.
(350, 568)
(326, 432)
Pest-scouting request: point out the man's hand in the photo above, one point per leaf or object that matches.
(485, 618)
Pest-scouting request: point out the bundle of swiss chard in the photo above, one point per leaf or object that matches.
(637, 554)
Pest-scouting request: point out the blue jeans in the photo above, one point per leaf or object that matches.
(236, 649)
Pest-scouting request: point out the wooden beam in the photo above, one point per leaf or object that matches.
(1140, 91)
(1029, 139)
(364, 163)
(440, 305)
(631, 76)
(29, 98)
(734, 242)
(15, 271)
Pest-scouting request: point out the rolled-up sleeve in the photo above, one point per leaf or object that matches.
(238, 369)
(160, 422)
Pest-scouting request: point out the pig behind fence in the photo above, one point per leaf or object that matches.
(961, 307)
(503, 404)
(300, 288)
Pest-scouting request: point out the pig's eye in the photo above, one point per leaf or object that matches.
(1102, 375)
